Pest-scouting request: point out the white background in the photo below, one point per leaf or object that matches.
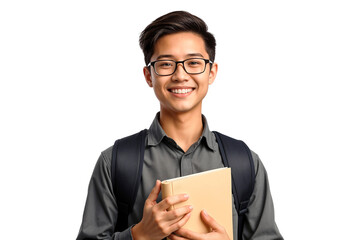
(71, 84)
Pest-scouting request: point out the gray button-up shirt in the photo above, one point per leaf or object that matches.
(164, 159)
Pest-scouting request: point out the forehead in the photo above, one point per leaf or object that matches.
(179, 46)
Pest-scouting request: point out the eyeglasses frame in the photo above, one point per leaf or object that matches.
(176, 65)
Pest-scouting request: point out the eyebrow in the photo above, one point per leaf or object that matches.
(187, 55)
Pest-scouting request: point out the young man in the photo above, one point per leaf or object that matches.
(179, 56)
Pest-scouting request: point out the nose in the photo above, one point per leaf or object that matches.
(180, 73)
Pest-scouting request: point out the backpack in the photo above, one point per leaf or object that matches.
(126, 170)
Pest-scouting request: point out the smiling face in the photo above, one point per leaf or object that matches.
(180, 92)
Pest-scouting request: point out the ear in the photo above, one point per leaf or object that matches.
(147, 75)
(213, 72)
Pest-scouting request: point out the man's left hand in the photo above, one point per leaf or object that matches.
(218, 232)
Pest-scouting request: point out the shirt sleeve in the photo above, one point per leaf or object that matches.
(259, 221)
(100, 213)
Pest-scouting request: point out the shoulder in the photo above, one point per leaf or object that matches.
(103, 164)
(259, 168)
(256, 160)
(106, 155)
(255, 157)
(258, 164)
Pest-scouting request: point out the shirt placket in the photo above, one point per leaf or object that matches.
(186, 165)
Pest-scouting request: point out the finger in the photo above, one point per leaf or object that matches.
(177, 213)
(209, 221)
(175, 237)
(172, 200)
(155, 191)
(188, 234)
(179, 224)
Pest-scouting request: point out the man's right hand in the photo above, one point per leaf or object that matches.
(157, 222)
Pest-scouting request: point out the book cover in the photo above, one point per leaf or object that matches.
(209, 190)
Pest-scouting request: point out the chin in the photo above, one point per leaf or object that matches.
(186, 109)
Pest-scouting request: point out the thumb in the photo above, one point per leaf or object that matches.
(210, 222)
(154, 192)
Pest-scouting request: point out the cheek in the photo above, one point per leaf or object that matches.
(204, 83)
(156, 85)
(158, 89)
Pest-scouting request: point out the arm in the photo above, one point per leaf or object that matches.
(100, 213)
(260, 219)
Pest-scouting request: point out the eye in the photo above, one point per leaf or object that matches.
(165, 64)
(194, 63)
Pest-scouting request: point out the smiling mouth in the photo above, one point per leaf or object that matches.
(181, 91)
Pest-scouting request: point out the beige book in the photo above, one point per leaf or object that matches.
(209, 190)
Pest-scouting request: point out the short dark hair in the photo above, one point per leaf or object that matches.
(174, 22)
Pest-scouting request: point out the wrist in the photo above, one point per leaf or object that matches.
(137, 233)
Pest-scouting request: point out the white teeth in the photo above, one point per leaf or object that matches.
(181, 90)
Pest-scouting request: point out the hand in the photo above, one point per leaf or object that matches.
(157, 222)
(217, 231)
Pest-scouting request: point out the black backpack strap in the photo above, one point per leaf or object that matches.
(126, 169)
(237, 155)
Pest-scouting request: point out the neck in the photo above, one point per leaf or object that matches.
(184, 128)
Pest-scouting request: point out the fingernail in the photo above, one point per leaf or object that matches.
(205, 213)
(186, 196)
(191, 207)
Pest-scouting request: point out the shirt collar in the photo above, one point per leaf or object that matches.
(157, 134)
(208, 135)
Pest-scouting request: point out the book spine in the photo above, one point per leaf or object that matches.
(166, 191)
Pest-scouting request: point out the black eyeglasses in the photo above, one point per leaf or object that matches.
(191, 66)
